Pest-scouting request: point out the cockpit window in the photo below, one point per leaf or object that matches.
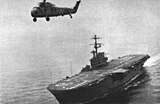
(35, 8)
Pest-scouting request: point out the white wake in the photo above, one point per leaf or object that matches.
(153, 60)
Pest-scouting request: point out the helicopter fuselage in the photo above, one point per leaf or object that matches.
(53, 11)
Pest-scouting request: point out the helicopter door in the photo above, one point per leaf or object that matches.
(48, 11)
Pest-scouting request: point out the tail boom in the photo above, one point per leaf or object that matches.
(76, 7)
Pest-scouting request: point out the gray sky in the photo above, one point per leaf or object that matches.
(126, 26)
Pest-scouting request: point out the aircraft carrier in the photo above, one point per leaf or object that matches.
(100, 78)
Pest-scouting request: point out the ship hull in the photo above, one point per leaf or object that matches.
(104, 86)
(80, 96)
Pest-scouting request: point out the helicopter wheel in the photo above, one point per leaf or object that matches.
(34, 19)
(47, 19)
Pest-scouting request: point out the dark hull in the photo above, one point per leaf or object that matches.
(96, 89)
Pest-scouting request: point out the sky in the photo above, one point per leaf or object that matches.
(125, 26)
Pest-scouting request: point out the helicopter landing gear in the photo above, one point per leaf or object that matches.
(34, 19)
(47, 18)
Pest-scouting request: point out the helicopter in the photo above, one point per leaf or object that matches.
(47, 10)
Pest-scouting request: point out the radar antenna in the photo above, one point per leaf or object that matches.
(96, 45)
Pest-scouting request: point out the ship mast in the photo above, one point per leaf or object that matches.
(96, 46)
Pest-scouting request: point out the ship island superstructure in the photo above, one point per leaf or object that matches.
(98, 59)
(100, 78)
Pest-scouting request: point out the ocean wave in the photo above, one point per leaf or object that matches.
(154, 60)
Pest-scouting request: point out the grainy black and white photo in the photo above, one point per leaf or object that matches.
(80, 52)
